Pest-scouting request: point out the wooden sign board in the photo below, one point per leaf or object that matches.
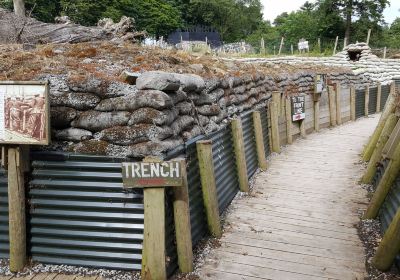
(298, 108)
(391, 144)
(24, 113)
(152, 174)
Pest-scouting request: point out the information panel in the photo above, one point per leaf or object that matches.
(24, 113)
(298, 108)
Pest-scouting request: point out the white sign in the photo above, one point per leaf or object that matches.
(303, 45)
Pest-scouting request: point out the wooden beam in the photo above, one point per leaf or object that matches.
(288, 111)
(303, 132)
(240, 156)
(352, 103)
(338, 104)
(276, 146)
(208, 186)
(377, 154)
(332, 101)
(16, 207)
(258, 132)
(378, 98)
(276, 97)
(389, 246)
(384, 185)
(182, 223)
(366, 105)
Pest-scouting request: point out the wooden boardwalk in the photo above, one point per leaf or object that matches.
(299, 222)
(51, 276)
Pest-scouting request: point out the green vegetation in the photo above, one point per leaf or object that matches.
(237, 19)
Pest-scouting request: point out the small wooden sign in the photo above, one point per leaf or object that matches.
(152, 174)
(298, 108)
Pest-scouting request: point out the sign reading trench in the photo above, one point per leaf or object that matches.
(151, 174)
(298, 108)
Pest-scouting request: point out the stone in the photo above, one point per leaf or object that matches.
(97, 121)
(76, 100)
(61, 117)
(158, 80)
(153, 116)
(72, 134)
(209, 110)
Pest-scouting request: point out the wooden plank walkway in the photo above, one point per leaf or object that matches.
(51, 276)
(299, 222)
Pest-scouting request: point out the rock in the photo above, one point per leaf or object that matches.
(72, 134)
(153, 148)
(190, 82)
(61, 117)
(158, 80)
(129, 77)
(209, 110)
(97, 121)
(153, 116)
(77, 100)
(127, 135)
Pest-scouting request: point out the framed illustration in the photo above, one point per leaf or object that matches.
(24, 113)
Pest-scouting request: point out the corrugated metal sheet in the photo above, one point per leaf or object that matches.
(373, 94)
(81, 215)
(360, 103)
(265, 128)
(224, 167)
(380, 170)
(249, 143)
(390, 206)
(4, 241)
(384, 95)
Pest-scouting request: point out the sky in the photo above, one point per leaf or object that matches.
(273, 8)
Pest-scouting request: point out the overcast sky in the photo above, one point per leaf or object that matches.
(272, 8)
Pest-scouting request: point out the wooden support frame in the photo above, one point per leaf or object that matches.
(288, 112)
(303, 132)
(352, 103)
(332, 101)
(258, 132)
(366, 105)
(378, 98)
(276, 97)
(208, 186)
(338, 104)
(276, 146)
(238, 144)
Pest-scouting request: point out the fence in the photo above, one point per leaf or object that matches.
(79, 213)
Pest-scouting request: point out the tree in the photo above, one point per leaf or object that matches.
(19, 7)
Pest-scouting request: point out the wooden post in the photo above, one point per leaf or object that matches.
(386, 182)
(288, 109)
(269, 108)
(366, 105)
(238, 144)
(182, 224)
(368, 36)
(352, 103)
(258, 132)
(16, 206)
(377, 154)
(338, 104)
(369, 148)
(316, 116)
(344, 43)
(206, 165)
(332, 110)
(276, 97)
(291, 49)
(336, 42)
(389, 246)
(280, 47)
(319, 44)
(384, 52)
(276, 147)
(303, 132)
(378, 98)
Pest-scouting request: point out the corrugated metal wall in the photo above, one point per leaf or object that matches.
(384, 95)
(224, 167)
(360, 103)
(81, 215)
(4, 241)
(265, 128)
(249, 143)
(373, 94)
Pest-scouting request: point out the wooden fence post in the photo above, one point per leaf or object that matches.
(316, 116)
(332, 110)
(366, 105)
(338, 104)
(238, 144)
(389, 246)
(276, 146)
(258, 132)
(336, 43)
(352, 103)
(369, 148)
(16, 206)
(208, 186)
(276, 97)
(377, 154)
(288, 109)
(378, 98)
(386, 182)
(303, 132)
(182, 223)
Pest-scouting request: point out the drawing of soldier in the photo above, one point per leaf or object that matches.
(35, 118)
(7, 106)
